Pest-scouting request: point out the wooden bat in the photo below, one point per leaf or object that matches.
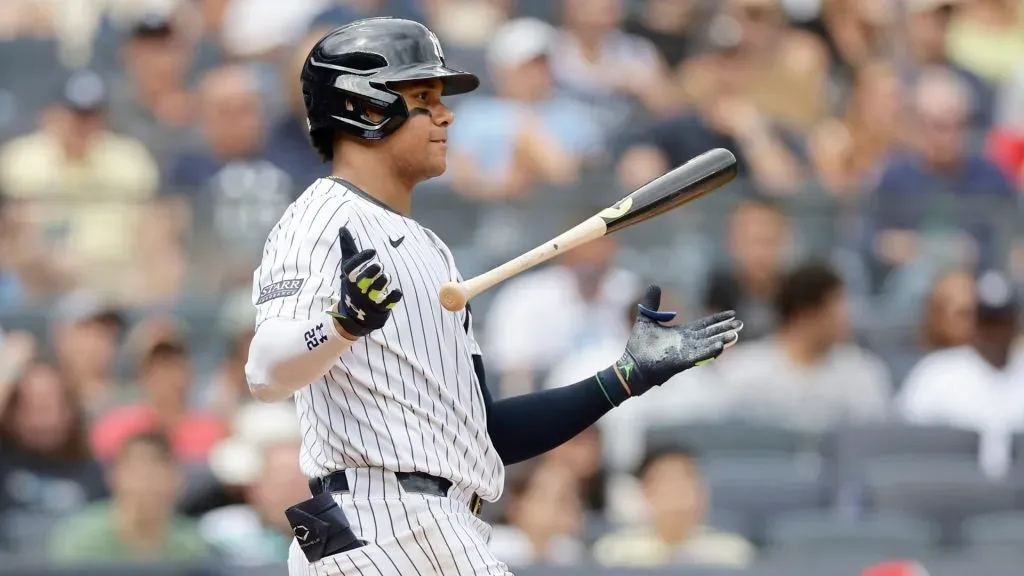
(698, 177)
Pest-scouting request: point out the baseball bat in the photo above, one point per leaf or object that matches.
(686, 183)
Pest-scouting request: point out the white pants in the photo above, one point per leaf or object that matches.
(407, 534)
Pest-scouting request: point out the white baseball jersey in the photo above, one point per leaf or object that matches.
(404, 398)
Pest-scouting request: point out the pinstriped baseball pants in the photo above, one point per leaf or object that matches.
(407, 534)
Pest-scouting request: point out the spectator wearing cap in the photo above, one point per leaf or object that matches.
(46, 469)
(939, 198)
(526, 134)
(85, 332)
(674, 531)
(138, 523)
(806, 376)
(150, 99)
(232, 191)
(979, 386)
(670, 27)
(613, 73)
(927, 28)
(261, 460)
(85, 186)
(165, 379)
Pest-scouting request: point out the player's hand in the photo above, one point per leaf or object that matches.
(366, 295)
(656, 352)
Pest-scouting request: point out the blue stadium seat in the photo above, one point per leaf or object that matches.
(820, 532)
(944, 490)
(712, 440)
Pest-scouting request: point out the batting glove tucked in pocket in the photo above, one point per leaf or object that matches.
(366, 295)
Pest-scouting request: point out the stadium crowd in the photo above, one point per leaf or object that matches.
(873, 245)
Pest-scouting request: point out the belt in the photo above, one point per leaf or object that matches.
(412, 482)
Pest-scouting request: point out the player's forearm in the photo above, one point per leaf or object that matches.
(526, 426)
(286, 355)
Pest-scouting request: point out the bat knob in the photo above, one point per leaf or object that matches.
(453, 296)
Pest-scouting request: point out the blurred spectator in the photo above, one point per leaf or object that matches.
(987, 36)
(807, 376)
(583, 457)
(848, 152)
(150, 100)
(12, 290)
(544, 519)
(759, 238)
(947, 322)
(85, 334)
(288, 145)
(262, 458)
(669, 25)
(340, 12)
(860, 33)
(138, 523)
(46, 471)
(979, 386)
(253, 29)
(674, 533)
(525, 134)
(235, 192)
(928, 23)
(229, 389)
(459, 23)
(165, 378)
(606, 69)
(941, 183)
(538, 318)
(85, 186)
(758, 61)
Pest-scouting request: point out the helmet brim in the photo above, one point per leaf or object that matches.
(455, 81)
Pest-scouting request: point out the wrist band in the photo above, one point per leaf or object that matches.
(622, 380)
(605, 392)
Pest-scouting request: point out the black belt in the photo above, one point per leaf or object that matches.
(413, 482)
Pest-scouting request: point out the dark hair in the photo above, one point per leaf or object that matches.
(155, 440)
(75, 447)
(323, 141)
(654, 454)
(806, 288)
(162, 351)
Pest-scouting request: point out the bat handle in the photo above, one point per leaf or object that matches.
(454, 296)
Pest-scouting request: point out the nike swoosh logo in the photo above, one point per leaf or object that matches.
(396, 242)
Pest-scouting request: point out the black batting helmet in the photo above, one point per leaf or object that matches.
(352, 68)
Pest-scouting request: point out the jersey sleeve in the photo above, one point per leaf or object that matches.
(298, 276)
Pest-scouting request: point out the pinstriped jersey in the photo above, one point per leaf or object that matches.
(405, 397)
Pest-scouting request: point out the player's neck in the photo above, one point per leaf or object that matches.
(378, 181)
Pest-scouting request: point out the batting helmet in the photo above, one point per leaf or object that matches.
(353, 67)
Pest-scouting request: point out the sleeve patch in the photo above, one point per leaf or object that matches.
(280, 289)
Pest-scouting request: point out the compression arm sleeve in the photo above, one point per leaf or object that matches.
(286, 355)
(526, 426)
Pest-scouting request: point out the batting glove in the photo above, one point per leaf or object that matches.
(366, 295)
(655, 352)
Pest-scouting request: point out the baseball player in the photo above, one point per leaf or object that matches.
(400, 437)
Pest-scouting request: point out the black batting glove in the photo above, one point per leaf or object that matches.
(366, 295)
(656, 352)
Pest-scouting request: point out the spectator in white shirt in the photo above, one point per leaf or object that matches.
(979, 386)
(539, 318)
(806, 376)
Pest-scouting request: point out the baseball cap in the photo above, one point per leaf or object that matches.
(238, 459)
(152, 25)
(519, 41)
(85, 306)
(996, 295)
(85, 91)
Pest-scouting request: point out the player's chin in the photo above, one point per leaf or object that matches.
(436, 167)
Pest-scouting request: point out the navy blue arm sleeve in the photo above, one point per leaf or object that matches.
(529, 425)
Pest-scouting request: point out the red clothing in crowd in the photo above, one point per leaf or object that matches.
(192, 437)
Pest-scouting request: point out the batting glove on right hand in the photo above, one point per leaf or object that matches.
(366, 295)
(656, 352)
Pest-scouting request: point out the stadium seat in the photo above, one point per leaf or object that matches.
(995, 532)
(849, 450)
(712, 440)
(820, 532)
(944, 490)
(759, 488)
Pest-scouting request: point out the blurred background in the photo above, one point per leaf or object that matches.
(873, 244)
